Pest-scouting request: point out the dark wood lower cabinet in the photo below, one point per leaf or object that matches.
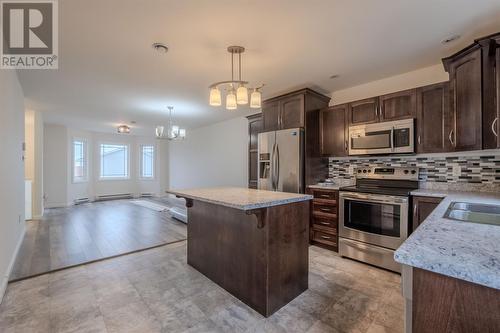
(422, 208)
(324, 218)
(448, 305)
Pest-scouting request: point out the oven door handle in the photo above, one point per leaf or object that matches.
(392, 138)
(369, 198)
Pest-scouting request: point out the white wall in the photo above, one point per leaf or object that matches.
(33, 161)
(215, 155)
(55, 171)
(11, 172)
(68, 191)
(417, 78)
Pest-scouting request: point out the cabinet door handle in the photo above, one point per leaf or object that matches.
(346, 145)
(493, 127)
(450, 138)
(418, 139)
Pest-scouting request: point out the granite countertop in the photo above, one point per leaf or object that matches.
(463, 250)
(241, 198)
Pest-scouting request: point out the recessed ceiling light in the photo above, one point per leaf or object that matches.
(334, 76)
(450, 39)
(160, 47)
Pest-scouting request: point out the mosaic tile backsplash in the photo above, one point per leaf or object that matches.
(480, 169)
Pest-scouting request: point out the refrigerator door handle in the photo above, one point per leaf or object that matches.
(277, 166)
(273, 167)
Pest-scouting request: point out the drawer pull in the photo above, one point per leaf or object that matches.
(325, 237)
(325, 223)
(325, 196)
(327, 210)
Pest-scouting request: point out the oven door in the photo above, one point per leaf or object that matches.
(372, 218)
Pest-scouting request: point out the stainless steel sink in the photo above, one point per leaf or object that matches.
(475, 213)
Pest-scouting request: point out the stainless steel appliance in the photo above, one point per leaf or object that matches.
(281, 160)
(392, 137)
(373, 214)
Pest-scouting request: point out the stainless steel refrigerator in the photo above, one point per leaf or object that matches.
(281, 160)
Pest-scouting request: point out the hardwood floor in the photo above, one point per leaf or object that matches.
(71, 236)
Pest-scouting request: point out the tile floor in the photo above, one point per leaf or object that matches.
(156, 291)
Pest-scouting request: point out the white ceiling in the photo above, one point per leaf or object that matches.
(108, 73)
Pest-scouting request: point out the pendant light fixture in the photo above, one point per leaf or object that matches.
(237, 91)
(173, 132)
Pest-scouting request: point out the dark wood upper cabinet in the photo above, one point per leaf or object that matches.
(433, 107)
(364, 111)
(271, 115)
(399, 105)
(495, 125)
(292, 112)
(333, 131)
(255, 123)
(466, 99)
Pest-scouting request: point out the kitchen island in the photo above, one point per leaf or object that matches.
(253, 243)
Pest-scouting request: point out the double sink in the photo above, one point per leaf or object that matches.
(474, 213)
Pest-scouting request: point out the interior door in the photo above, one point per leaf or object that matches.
(289, 152)
(292, 112)
(398, 105)
(364, 111)
(266, 157)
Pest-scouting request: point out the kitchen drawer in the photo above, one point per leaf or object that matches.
(329, 223)
(324, 237)
(325, 211)
(324, 195)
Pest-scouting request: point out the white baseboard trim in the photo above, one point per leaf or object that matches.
(5, 277)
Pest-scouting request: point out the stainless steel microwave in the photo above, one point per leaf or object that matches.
(391, 137)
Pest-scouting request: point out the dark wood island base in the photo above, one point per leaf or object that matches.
(258, 255)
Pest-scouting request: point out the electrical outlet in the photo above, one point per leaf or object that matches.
(457, 170)
(351, 170)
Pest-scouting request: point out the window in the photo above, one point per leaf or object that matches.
(114, 161)
(79, 161)
(147, 161)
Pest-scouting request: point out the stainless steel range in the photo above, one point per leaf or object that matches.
(373, 214)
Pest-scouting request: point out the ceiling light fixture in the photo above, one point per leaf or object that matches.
(334, 76)
(237, 91)
(450, 39)
(173, 132)
(123, 129)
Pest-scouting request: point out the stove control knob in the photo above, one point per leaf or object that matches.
(406, 172)
(413, 172)
(364, 170)
(369, 170)
(359, 171)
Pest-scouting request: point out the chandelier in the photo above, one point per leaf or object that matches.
(237, 92)
(173, 132)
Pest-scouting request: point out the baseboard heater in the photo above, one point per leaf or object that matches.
(81, 201)
(114, 196)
